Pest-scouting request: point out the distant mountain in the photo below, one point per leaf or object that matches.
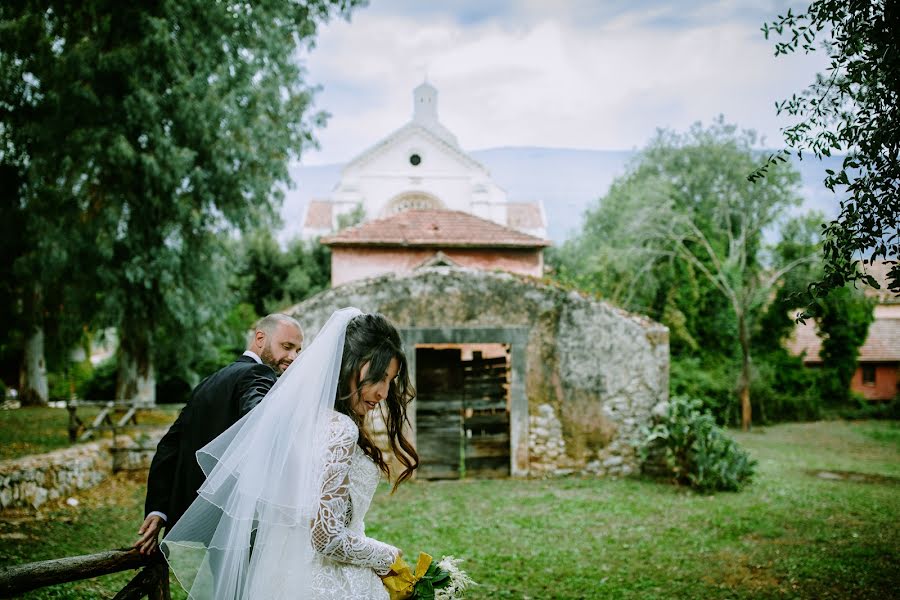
(567, 181)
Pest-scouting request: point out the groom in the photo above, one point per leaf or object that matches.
(216, 404)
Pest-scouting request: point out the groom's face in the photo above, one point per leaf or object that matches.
(281, 347)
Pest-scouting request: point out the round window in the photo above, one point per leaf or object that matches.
(415, 160)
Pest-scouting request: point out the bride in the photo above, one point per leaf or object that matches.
(281, 514)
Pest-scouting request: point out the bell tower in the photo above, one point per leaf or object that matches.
(425, 103)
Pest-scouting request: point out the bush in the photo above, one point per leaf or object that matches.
(696, 450)
(867, 409)
(783, 389)
(101, 385)
(715, 382)
(62, 383)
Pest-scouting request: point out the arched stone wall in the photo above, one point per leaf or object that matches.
(592, 373)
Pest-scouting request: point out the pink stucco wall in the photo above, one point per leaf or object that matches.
(351, 264)
(885, 386)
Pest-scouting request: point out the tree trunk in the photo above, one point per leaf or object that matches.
(136, 379)
(34, 390)
(746, 409)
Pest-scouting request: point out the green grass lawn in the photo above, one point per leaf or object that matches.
(34, 430)
(820, 521)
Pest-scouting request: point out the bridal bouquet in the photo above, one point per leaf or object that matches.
(430, 581)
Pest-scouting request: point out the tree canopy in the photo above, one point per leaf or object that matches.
(681, 237)
(138, 135)
(850, 109)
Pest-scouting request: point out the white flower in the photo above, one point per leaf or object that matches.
(459, 580)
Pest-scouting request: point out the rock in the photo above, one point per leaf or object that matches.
(613, 461)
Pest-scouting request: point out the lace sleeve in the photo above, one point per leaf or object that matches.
(330, 536)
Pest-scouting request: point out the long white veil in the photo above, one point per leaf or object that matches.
(263, 473)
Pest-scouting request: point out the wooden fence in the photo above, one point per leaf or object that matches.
(152, 581)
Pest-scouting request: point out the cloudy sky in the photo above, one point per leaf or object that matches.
(587, 74)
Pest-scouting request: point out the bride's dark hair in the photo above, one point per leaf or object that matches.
(371, 338)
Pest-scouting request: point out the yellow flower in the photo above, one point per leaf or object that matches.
(402, 583)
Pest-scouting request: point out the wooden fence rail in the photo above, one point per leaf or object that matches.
(80, 432)
(152, 581)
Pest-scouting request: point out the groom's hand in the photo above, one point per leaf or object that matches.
(149, 533)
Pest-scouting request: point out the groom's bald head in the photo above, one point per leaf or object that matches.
(277, 339)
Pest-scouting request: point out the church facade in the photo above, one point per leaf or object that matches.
(419, 166)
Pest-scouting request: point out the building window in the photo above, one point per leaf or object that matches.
(415, 160)
(868, 374)
(412, 201)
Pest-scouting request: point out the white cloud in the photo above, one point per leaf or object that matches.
(548, 81)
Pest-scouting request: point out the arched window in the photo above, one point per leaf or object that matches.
(412, 201)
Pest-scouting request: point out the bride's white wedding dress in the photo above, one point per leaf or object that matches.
(346, 561)
(281, 514)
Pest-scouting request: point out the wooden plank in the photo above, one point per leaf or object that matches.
(498, 360)
(484, 388)
(102, 418)
(480, 421)
(437, 472)
(19, 579)
(487, 451)
(129, 416)
(488, 407)
(487, 467)
(446, 406)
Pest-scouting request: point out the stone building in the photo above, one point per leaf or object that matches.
(514, 376)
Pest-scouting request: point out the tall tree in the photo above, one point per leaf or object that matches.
(162, 126)
(850, 109)
(682, 231)
(271, 278)
(844, 319)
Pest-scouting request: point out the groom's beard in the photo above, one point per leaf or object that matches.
(269, 359)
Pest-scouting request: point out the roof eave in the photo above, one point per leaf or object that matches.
(392, 244)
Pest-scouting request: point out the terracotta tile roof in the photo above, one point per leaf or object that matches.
(524, 215)
(318, 215)
(882, 344)
(434, 228)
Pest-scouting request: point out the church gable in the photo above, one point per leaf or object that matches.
(414, 151)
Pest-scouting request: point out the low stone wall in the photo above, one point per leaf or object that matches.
(31, 481)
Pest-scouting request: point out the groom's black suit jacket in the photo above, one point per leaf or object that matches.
(216, 404)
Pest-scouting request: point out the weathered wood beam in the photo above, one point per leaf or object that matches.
(151, 582)
(18, 579)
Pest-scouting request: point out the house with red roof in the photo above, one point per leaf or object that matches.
(877, 376)
(416, 238)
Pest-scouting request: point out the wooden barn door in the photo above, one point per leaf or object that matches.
(439, 408)
(486, 416)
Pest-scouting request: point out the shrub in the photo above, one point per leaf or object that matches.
(63, 383)
(867, 409)
(696, 450)
(783, 389)
(101, 385)
(714, 381)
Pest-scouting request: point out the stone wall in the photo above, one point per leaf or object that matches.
(31, 481)
(593, 372)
